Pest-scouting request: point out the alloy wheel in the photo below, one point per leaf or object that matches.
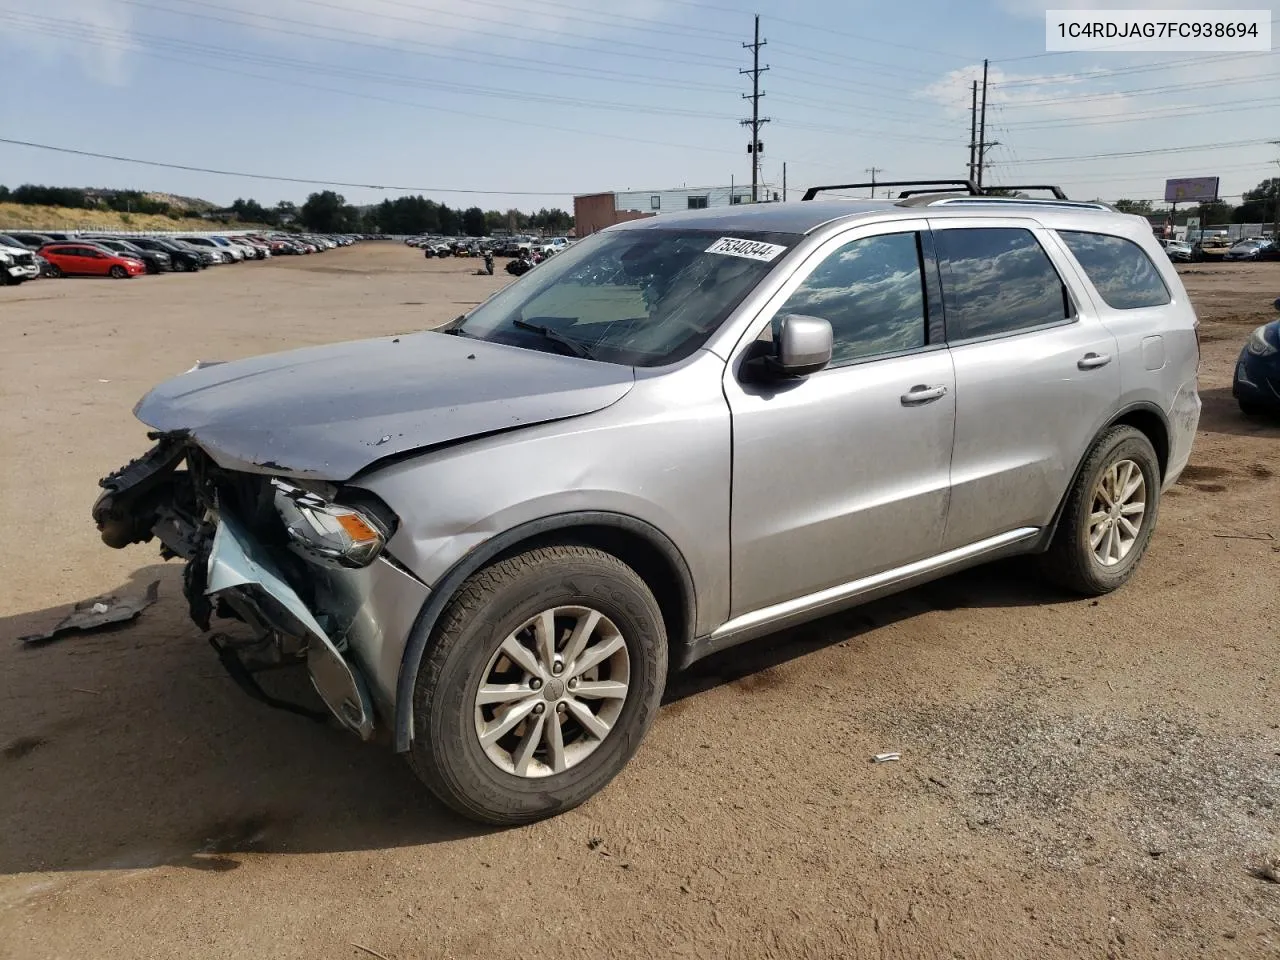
(552, 691)
(1119, 506)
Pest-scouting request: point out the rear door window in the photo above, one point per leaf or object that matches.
(1119, 269)
(998, 281)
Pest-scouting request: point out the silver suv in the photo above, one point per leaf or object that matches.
(489, 542)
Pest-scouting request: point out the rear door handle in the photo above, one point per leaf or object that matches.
(920, 394)
(1092, 361)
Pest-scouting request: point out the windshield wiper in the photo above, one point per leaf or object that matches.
(555, 336)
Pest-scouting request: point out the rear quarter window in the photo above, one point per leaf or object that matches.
(1119, 269)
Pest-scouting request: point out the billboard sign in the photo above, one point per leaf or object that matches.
(1191, 190)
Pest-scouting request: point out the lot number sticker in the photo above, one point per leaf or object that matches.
(748, 249)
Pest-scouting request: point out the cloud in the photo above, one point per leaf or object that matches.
(954, 92)
(106, 62)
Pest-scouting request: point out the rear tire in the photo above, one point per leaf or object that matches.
(55, 271)
(502, 605)
(1094, 550)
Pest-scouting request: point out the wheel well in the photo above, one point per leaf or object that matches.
(638, 544)
(1150, 424)
(655, 567)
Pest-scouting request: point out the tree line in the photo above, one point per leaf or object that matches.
(124, 201)
(323, 212)
(329, 212)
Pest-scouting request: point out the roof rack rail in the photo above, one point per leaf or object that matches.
(960, 201)
(967, 186)
(1057, 192)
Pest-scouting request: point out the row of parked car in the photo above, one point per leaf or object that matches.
(1220, 248)
(26, 256)
(515, 246)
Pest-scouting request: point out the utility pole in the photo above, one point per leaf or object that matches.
(784, 181)
(1275, 199)
(982, 126)
(873, 171)
(973, 132)
(755, 148)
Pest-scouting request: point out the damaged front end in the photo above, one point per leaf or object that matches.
(299, 562)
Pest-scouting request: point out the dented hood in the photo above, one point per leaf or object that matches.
(328, 412)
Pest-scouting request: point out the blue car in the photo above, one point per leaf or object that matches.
(1256, 385)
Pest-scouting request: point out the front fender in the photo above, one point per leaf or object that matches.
(658, 460)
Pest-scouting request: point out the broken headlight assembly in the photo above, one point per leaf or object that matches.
(349, 535)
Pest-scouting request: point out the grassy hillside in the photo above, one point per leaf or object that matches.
(18, 216)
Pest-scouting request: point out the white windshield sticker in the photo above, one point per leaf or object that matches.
(750, 249)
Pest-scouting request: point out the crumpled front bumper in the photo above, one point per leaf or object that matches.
(236, 562)
(355, 627)
(22, 271)
(349, 625)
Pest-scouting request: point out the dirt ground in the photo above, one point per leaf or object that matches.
(1078, 778)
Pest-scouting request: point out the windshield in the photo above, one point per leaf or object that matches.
(644, 297)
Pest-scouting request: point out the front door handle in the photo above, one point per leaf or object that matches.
(1092, 361)
(921, 394)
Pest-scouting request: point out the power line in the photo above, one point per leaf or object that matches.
(1126, 71)
(472, 16)
(700, 33)
(486, 59)
(281, 179)
(837, 59)
(827, 29)
(52, 25)
(691, 59)
(1142, 91)
(469, 56)
(537, 124)
(1150, 152)
(1166, 113)
(132, 41)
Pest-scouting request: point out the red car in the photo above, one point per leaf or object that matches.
(84, 259)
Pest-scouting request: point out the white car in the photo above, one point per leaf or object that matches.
(235, 251)
(17, 264)
(251, 251)
(220, 254)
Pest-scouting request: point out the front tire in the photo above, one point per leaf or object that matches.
(1109, 517)
(118, 272)
(1251, 408)
(540, 679)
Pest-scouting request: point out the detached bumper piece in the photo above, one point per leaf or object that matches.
(241, 574)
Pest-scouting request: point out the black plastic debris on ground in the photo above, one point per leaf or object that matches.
(94, 614)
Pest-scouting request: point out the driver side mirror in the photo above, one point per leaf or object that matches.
(801, 345)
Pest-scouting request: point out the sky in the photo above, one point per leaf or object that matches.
(525, 103)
